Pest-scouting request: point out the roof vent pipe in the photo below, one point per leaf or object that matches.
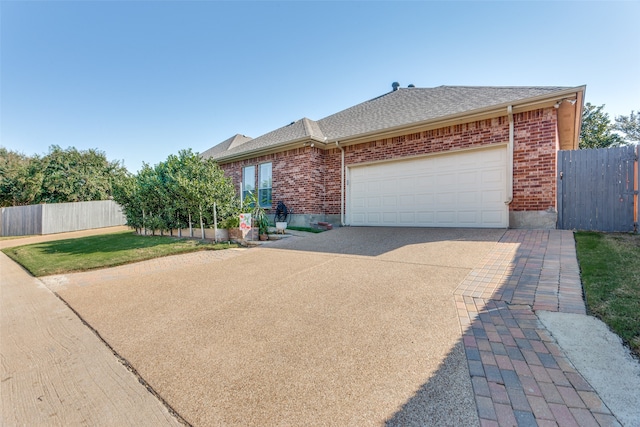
(395, 86)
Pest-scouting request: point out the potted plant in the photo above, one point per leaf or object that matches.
(258, 215)
(232, 224)
(262, 222)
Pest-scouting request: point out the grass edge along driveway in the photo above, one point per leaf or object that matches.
(100, 251)
(611, 281)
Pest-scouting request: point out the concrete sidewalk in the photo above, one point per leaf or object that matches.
(55, 370)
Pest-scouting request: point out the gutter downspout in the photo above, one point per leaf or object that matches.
(510, 157)
(341, 186)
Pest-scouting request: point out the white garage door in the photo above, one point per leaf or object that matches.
(466, 189)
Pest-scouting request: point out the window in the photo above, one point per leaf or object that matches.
(264, 186)
(248, 180)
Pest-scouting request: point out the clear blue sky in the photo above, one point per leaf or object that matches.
(141, 80)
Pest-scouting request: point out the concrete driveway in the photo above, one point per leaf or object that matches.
(357, 326)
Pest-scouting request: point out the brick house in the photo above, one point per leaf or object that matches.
(449, 156)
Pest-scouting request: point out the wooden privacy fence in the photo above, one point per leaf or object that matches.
(598, 189)
(59, 217)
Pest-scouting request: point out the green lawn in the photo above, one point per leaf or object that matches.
(107, 250)
(610, 270)
(308, 229)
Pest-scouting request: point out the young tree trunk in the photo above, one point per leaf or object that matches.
(201, 223)
(144, 227)
(190, 226)
(215, 224)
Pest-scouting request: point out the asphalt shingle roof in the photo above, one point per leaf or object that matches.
(233, 142)
(401, 107)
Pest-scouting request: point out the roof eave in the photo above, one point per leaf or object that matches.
(497, 110)
(261, 151)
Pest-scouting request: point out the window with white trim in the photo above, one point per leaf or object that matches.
(248, 180)
(264, 185)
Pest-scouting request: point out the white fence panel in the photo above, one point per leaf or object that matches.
(60, 217)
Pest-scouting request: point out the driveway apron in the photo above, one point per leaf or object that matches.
(357, 326)
(349, 327)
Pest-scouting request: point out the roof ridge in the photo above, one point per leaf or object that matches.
(237, 140)
(305, 124)
(498, 87)
(312, 128)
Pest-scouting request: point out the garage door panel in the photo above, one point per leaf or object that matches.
(407, 218)
(491, 197)
(358, 218)
(446, 216)
(358, 187)
(389, 218)
(373, 187)
(492, 217)
(468, 198)
(389, 201)
(373, 218)
(388, 186)
(424, 180)
(457, 190)
(447, 198)
(406, 201)
(424, 200)
(468, 217)
(358, 203)
(445, 180)
(425, 218)
(467, 177)
(374, 202)
(492, 176)
(405, 184)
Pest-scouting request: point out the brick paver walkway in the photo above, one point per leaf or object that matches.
(519, 374)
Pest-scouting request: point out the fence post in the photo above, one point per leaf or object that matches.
(635, 190)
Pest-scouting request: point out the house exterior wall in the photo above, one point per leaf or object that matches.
(297, 177)
(534, 160)
(308, 179)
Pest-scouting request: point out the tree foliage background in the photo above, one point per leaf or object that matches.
(629, 126)
(61, 175)
(598, 131)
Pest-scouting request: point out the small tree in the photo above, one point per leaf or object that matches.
(596, 130)
(171, 193)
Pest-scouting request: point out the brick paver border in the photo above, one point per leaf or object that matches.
(520, 376)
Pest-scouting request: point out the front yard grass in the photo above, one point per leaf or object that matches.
(610, 270)
(307, 229)
(107, 250)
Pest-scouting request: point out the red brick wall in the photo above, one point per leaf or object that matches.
(534, 160)
(297, 178)
(474, 134)
(308, 179)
